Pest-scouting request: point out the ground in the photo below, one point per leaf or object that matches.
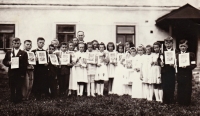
(107, 105)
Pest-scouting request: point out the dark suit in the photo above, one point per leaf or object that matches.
(63, 77)
(40, 84)
(184, 79)
(168, 81)
(16, 76)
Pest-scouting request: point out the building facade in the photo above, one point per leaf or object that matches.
(103, 20)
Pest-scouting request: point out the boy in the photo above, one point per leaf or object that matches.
(64, 72)
(52, 74)
(28, 81)
(16, 75)
(168, 74)
(40, 73)
(75, 41)
(184, 75)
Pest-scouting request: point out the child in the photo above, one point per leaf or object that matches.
(128, 45)
(81, 68)
(28, 82)
(64, 72)
(111, 65)
(75, 41)
(118, 85)
(91, 70)
(73, 79)
(156, 72)
(146, 74)
(40, 84)
(168, 74)
(16, 75)
(137, 86)
(52, 74)
(184, 75)
(101, 73)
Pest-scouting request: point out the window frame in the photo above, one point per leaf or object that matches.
(14, 33)
(134, 40)
(70, 33)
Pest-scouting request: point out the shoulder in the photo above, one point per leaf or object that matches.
(192, 54)
(34, 50)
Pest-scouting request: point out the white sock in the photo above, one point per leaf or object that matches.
(156, 94)
(92, 89)
(150, 92)
(81, 90)
(160, 92)
(102, 88)
(88, 89)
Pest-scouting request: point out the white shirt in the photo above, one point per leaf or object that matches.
(16, 51)
(169, 49)
(183, 52)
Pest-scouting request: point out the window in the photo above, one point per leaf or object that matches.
(125, 33)
(65, 33)
(7, 32)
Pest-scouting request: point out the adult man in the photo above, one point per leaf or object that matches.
(16, 74)
(80, 35)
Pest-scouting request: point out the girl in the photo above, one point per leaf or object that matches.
(146, 74)
(101, 74)
(128, 45)
(91, 69)
(156, 72)
(111, 65)
(118, 86)
(73, 78)
(81, 68)
(137, 87)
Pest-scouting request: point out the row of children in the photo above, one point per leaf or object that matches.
(140, 72)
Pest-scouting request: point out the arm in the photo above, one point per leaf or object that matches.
(7, 60)
(192, 62)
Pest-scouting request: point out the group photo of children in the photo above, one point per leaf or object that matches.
(77, 68)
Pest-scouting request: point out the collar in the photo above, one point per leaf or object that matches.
(169, 49)
(183, 52)
(39, 49)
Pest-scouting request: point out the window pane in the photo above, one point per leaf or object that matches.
(130, 38)
(65, 37)
(1, 40)
(121, 38)
(128, 30)
(65, 28)
(8, 40)
(7, 28)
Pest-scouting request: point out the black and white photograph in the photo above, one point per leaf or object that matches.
(100, 57)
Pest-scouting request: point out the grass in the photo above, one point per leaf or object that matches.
(107, 105)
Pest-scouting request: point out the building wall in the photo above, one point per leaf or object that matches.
(98, 20)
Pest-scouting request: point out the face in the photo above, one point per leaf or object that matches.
(16, 44)
(75, 41)
(140, 51)
(90, 48)
(183, 47)
(168, 44)
(63, 48)
(71, 46)
(55, 43)
(81, 36)
(51, 50)
(101, 48)
(27, 46)
(156, 48)
(40, 43)
(121, 50)
(81, 47)
(127, 46)
(95, 44)
(133, 52)
(110, 47)
(148, 50)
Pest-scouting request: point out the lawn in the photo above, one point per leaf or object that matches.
(107, 105)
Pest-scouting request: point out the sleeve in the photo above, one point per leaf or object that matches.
(192, 62)
(25, 64)
(6, 60)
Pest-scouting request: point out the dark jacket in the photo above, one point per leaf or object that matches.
(23, 63)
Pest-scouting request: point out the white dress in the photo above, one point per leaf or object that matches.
(118, 83)
(146, 68)
(111, 67)
(155, 70)
(81, 73)
(101, 72)
(91, 69)
(73, 77)
(128, 70)
(137, 87)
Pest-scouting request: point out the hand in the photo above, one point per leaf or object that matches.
(45, 64)
(171, 65)
(98, 65)
(183, 66)
(175, 66)
(69, 64)
(9, 62)
(36, 58)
